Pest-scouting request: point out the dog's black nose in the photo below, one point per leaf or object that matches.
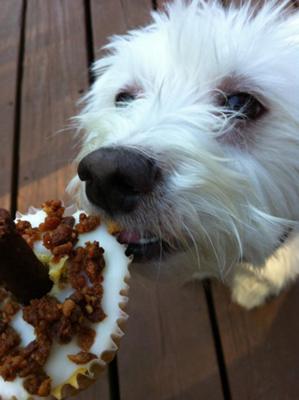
(118, 178)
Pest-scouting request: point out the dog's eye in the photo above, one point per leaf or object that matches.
(122, 99)
(247, 106)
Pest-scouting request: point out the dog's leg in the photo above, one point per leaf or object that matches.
(252, 286)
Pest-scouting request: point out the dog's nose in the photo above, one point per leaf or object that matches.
(118, 178)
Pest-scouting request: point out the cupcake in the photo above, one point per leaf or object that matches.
(63, 291)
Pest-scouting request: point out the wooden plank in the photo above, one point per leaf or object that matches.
(55, 74)
(261, 347)
(136, 12)
(112, 17)
(10, 24)
(168, 350)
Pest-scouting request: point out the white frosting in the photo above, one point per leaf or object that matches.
(58, 366)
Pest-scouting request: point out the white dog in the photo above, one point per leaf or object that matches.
(192, 142)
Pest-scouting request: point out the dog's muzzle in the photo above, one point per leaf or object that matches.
(118, 178)
(116, 181)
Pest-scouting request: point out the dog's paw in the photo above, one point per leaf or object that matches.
(249, 291)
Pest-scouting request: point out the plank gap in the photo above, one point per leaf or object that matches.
(89, 39)
(17, 115)
(114, 380)
(155, 4)
(217, 340)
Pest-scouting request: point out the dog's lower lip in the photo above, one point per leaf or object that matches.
(151, 250)
(143, 248)
(146, 247)
(131, 237)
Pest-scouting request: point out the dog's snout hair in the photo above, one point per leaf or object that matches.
(117, 178)
(211, 96)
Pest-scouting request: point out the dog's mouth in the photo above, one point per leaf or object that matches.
(144, 247)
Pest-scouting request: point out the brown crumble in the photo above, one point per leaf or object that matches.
(83, 357)
(53, 320)
(113, 228)
(86, 337)
(87, 223)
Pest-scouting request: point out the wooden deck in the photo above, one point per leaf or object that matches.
(181, 343)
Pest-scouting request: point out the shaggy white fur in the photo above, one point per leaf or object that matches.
(231, 184)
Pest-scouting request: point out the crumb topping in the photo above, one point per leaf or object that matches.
(28, 233)
(87, 223)
(82, 357)
(113, 228)
(55, 321)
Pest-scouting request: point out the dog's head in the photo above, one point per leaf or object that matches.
(192, 132)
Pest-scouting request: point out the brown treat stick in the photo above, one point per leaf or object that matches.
(20, 270)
